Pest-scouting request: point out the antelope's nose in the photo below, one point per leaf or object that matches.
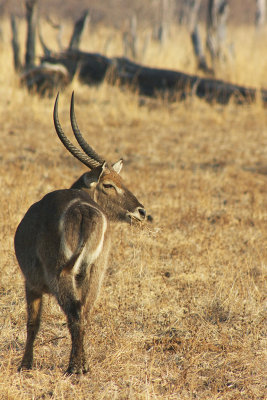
(142, 213)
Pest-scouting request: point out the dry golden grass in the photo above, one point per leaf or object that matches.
(181, 314)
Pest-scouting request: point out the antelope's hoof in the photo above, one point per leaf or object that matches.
(25, 366)
(77, 369)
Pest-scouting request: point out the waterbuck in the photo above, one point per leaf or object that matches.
(63, 241)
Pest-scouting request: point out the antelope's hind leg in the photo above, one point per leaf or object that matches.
(34, 309)
(73, 308)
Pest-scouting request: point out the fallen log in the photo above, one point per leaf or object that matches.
(56, 71)
(93, 68)
(45, 79)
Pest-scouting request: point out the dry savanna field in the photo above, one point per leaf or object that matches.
(181, 312)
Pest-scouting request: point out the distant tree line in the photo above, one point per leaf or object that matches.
(57, 69)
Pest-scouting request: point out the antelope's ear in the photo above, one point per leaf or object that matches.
(92, 178)
(117, 166)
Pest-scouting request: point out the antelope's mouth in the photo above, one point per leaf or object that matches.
(138, 215)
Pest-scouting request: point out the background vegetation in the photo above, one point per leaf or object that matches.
(181, 314)
(241, 11)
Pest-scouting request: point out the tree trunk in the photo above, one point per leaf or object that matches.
(218, 11)
(260, 13)
(164, 16)
(195, 37)
(199, 52)
(129, 38)
(15, 44)
(31, 16)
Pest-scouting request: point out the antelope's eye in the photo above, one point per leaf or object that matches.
(107, 186)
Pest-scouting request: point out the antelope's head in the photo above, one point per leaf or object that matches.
(103, 182)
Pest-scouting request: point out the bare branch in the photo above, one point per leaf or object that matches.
(78, 30)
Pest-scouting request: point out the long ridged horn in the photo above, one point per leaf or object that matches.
(80, 139)
(67, 143)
